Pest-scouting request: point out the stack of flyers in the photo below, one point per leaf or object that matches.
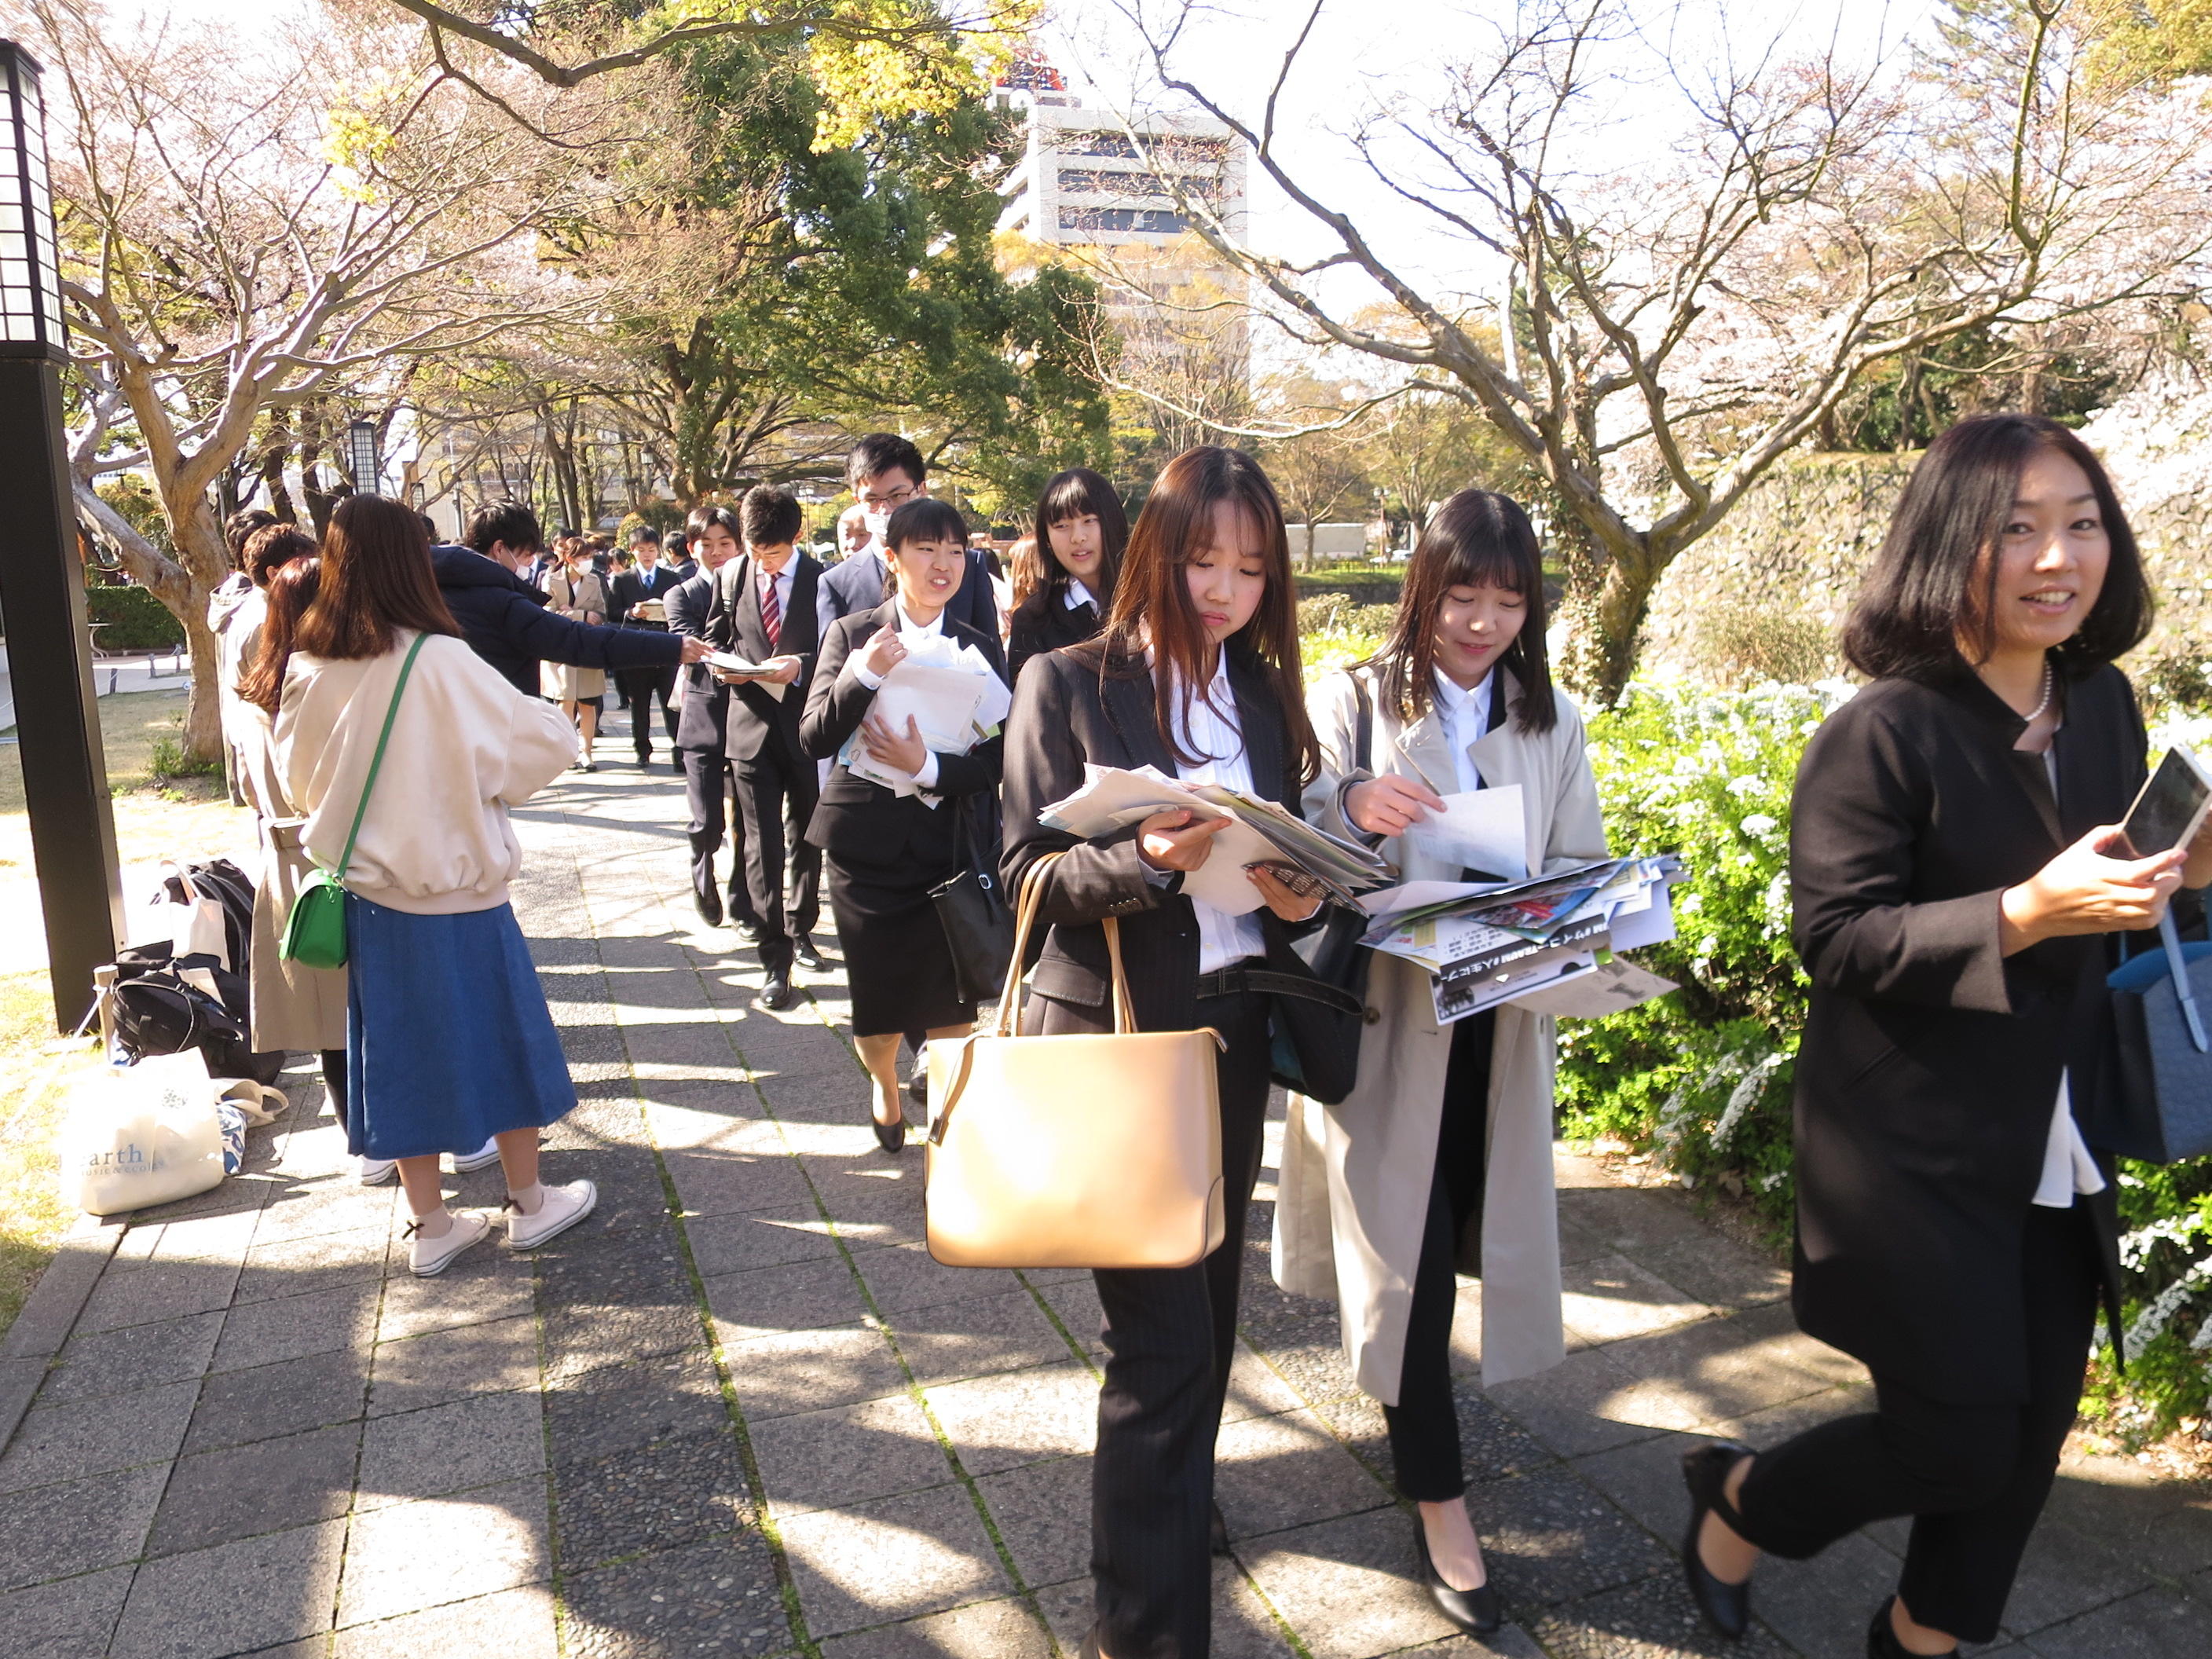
(950, 690)
(1483, 943)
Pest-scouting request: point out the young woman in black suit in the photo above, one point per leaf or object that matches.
(1958, 883)
(885, 851)
(1081, 530)
(1196, 673)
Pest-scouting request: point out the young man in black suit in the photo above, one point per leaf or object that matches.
(637, 596)
(884, 471)
(701, 720)
(765, 610)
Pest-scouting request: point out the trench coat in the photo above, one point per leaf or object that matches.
(1354, 1197)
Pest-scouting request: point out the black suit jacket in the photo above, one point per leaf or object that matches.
(1043, 623)
(1930, 1060)
(862, 825)
(700, 724)
(1076, 707)
(757, 716)
(856, 585)
(635, 586)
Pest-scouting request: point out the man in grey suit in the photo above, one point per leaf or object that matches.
(884, 471)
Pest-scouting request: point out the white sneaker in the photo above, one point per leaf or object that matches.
(375, 1171)
(483, 1158)
(432, 1256)
(562, 1208)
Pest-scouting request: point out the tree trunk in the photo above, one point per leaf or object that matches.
(1608, 595)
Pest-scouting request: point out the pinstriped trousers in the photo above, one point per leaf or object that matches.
(1170, 1335)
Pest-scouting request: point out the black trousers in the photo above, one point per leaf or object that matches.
(334, 1084)
(640, 686)
(1424, 1422)
(776, 792)
(710, 796)
(1973, 1477)
(1170, 1334)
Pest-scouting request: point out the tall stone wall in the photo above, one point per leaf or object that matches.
(1800, 540)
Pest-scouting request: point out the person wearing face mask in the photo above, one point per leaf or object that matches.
(885, 851)
(1080, 532)
(1958, 884)
(1196, 673)
(884, 472)
(1439, 1161)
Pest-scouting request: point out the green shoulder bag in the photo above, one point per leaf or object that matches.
(315, 932)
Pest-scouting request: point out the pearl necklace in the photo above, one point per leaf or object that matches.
(2050, 685)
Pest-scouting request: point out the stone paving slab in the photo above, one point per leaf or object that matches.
(741, 1412)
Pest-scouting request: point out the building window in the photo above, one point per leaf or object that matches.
(1144, 221)
(1115, 144)
(1089, 181)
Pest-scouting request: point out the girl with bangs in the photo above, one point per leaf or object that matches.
(1196, 672)
(1081, 530)
(1440, 1160)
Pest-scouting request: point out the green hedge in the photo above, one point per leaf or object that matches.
(134, 619)
(1700, 1080)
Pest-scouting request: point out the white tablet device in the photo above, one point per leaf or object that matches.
(2171, 807)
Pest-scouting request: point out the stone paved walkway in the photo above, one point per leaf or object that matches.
(743, 1413)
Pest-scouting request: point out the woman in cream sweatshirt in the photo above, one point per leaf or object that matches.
(449, 1040)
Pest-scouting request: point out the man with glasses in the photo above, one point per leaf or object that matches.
(884, 472)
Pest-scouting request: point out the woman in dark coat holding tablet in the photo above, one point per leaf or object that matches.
(885, 850)
(1197, 674)
(1958, 882)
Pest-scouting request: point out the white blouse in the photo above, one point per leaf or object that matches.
(2068, 1168)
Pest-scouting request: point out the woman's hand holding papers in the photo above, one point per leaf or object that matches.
(883, 653)
(1281, 899)
(1390, 806)
(1177, 839)
(906, 753)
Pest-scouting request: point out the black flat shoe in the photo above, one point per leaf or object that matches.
(1476, 1611)
(709, 905)
(803, 951)
(891, 1137)
(1882, 1638)
(1726, 1607)
(776, 995)
(1217, 1530)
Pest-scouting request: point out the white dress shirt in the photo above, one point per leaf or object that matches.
(909, 630)
(1209, 730)
(783, 580)
(1466, 717)
(2068, 1168)
(1077, 595)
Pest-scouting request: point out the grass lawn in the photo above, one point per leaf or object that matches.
(155, 817)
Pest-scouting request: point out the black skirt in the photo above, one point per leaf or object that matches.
(898, 968)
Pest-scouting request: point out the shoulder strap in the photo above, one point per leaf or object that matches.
(376, 761)
(1363, 741)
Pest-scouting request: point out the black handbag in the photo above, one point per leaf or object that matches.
(2162, 1111)
(979, 927)
(1318, 982)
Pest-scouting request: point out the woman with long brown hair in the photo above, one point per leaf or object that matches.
(1197, 674)
(405, 750)
(1439, 1161)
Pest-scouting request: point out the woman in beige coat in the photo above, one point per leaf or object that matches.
(1441, 1159)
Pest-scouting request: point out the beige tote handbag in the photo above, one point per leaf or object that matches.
(1084, 1151)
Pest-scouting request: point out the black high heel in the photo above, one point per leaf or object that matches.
(891, 1137)
(1726, 1607)
(1477, 1611)
(1882, 1638)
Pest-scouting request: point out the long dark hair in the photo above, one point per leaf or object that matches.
(1151, 598)
(1934, 580)
(292, 588)
(1075, 493)
(1478, 538)
(376, 577)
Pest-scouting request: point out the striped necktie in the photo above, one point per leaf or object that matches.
(771, 612)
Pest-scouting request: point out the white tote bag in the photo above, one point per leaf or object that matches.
(140, 1135)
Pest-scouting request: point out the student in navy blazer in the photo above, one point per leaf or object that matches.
(885, 471)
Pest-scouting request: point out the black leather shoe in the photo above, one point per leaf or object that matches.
(708, 904)
(1882, 1637)
(749, 928)
(775, 994)
(1726, 1607)
(891, 1137)
(1476, 1611)
(1217, 1530)
(917, 1085)
(804, 953)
